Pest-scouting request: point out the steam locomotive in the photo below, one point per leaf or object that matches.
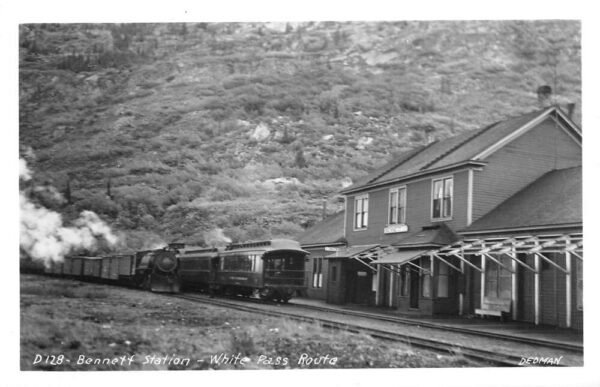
(272, 269)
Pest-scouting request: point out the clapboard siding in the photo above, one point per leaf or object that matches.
(517, 164)
(418, 209)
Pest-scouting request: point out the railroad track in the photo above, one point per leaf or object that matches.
(482, 355)
(426, 324)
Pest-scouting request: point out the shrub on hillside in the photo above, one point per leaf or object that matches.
(97, 202)
(131, 197)
(286, 229)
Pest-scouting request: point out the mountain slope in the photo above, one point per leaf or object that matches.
(249, 126)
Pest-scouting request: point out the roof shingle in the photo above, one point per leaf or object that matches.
(447, 152)
(552, 200)
(329, 230)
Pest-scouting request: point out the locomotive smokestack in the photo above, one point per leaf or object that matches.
(216, 238)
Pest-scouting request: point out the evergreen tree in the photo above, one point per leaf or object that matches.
(68, 191)
(300, 160)
(108, 192)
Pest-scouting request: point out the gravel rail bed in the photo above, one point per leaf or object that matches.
(497, 351)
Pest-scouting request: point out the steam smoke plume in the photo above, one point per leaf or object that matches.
(216, 238)
(24, 172)
(44, 237)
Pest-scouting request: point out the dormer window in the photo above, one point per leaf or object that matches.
(397, 206)
(441, 207)
(361, 212)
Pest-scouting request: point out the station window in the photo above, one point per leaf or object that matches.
(237, 263)
(441, 207)
(442, 280)
(317, 278)
(498, 280)
(397, 206)
(361, 212)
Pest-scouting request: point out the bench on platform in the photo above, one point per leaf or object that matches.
(493, 306)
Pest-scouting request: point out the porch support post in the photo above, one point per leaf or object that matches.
(461, 295)
(536, 289)
(432, 282)
(515, 289)
(568, 280)
(377, 285)
(391, 292)
(482, 280)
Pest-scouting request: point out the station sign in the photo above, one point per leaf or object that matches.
(394, 228)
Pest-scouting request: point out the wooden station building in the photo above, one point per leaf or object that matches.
(486, 222)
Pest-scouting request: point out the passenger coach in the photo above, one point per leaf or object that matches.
(271, 269)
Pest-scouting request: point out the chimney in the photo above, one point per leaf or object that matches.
(544, 94)
(324, 214)
(570, 110)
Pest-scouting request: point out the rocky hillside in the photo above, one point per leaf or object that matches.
(170, 130)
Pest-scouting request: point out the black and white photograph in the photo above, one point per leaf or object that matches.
(268, 194)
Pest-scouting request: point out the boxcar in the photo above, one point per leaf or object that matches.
(76, 266)
(57, 268)
(48, 267)
(197, 267)
(110, 268)
(92, 267)
(105, 268)
(67, 264)
(126, 266)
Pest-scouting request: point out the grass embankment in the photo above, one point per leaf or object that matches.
(75, 319)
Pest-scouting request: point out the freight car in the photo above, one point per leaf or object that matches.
(271, 269)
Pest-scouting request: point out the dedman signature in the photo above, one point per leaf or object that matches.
(540, 361)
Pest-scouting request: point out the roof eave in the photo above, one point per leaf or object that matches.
(314, 245)
(520, 229)
(414, 175)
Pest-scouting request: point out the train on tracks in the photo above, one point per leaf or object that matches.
(272, 269)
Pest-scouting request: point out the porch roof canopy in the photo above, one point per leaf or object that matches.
(528, 244)
(399, 257)
(489, 247)
(358, 251)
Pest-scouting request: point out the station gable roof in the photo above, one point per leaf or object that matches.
(329, 231)
(552, 200)
(457, 150)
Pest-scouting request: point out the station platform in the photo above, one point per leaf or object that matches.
(489, 325)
